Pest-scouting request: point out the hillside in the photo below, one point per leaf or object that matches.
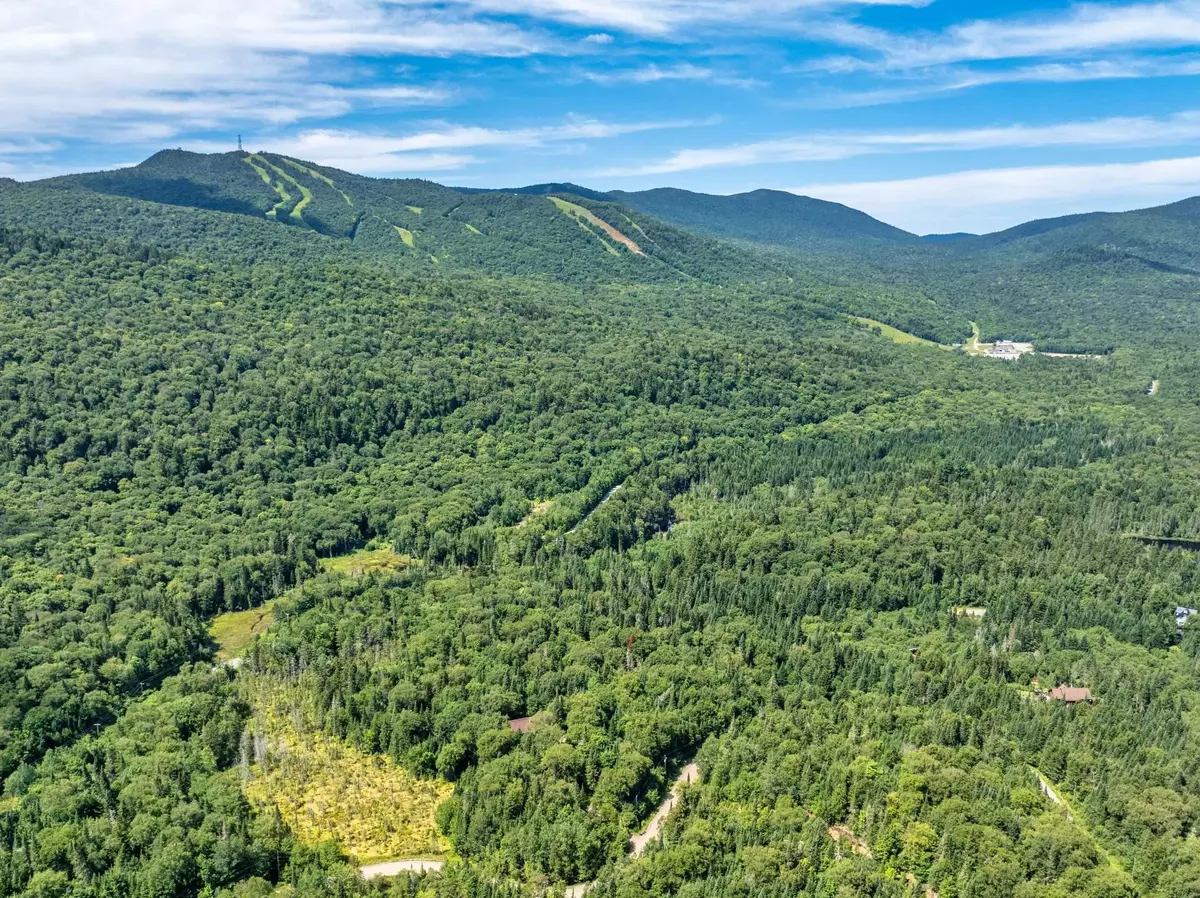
(315, 550)
(1076, 283)
(770, 217)
(283, 208)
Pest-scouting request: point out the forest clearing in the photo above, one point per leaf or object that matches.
(580, 214)
(367, 561)
(607, 498)
(327, 790)
(234, 631)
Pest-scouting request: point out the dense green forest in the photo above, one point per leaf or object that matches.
(672, 505)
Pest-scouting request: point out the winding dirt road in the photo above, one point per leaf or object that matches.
(689, 775)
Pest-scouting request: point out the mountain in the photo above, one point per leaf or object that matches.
(320, 555)
(947, 238)
(281, 207)
(546, 190)
(419, 222)
(770, 217)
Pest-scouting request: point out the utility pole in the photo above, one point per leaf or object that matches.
(240, 150)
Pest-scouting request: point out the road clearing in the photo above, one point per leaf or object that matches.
(395, 868)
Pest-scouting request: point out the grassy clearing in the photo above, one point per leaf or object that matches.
(415, 210)
(285, 198)
(974, 347)
(896, 335)
(367, 561)
(538, 509)
(325, 789)
(406, 235)
(586, 217)
(285, 203)
(474, 230)
(233, 632)
(306, 196)
(319, 177)
(249, 160)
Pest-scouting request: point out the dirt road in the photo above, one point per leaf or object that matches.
(690, 774)
(394, 868)
(616, 489)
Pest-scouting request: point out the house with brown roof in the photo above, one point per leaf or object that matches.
(1070, 695)
(521, 724)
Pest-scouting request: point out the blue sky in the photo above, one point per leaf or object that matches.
(935, 116)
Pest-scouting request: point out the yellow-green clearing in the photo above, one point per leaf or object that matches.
(285, 198)
(367, 561)
(415, 210)
(320, 177)
(536, 511)
(474, 230)
(406, 235)
(328, 790)
(585, 217)
(896, 335)
(233, 632)
(297, 214)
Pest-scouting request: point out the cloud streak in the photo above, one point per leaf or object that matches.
(1114, 132)
(1084, 28)
(991, 199)
(441, 148)
(667, 17)
(950, 79)
(66, 65)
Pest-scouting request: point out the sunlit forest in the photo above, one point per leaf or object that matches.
(321, 545)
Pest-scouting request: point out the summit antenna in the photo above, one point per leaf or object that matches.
(240, 143)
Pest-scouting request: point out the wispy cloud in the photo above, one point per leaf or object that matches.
(666, 17)
(1083, 28)
(952, 79)
(66, 65)
(992, 199)
(1125, 131)
(441, 147)
(684, 71)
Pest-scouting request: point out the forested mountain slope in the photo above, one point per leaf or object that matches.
(771, 217)
(837, 573)
(1067, 284)
(198, 203)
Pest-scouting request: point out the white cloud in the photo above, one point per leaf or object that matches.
(365, 153)
(665, 17)
(66, 66)
(1083, 28)
(1125, 131)
(944, 80)
(993, 199)
(649, 74)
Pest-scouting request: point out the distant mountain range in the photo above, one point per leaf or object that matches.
(1067, 283)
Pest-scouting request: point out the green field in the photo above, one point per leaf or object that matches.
(234, 631)
(896, 335)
